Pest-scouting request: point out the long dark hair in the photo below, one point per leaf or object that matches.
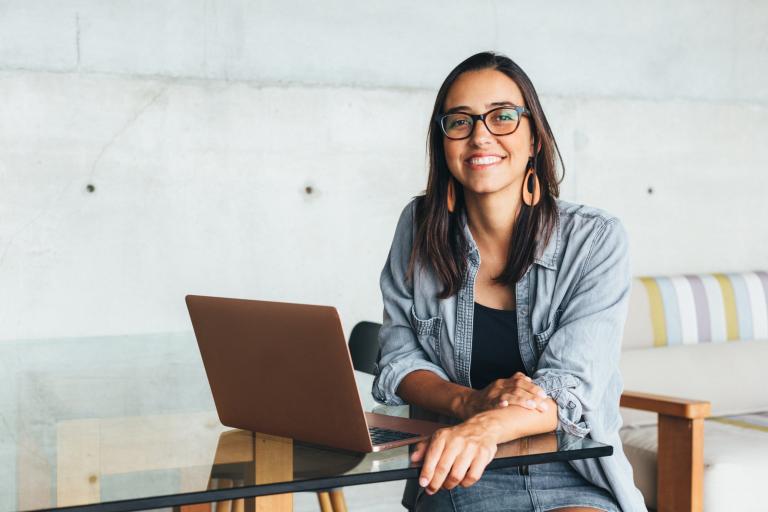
(439, 241)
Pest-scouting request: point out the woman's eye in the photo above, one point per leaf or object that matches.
(457, 123)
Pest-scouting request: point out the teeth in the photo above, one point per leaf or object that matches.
(484, 160)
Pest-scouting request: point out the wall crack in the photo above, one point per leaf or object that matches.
(124, 128)
(51, 204)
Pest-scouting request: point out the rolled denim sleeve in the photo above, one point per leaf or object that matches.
(400, 351)
(583, 352)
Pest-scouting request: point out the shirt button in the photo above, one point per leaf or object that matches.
(571, 405)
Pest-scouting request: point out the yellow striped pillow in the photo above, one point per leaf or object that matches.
(697, 308)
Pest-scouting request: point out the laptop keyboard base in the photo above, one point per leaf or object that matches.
(384, 435)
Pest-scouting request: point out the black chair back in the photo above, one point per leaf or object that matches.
(364, 346)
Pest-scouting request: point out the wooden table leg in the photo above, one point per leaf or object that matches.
(324, 499)
(238, 505)
(273, 462)
(226, 505)
(197, 507)
(337, 499)
(77, 463)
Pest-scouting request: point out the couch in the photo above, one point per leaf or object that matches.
(695, 412)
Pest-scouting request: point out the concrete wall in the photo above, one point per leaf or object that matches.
(203, 126)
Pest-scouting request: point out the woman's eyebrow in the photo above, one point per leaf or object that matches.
(461, 108)
(500, 104)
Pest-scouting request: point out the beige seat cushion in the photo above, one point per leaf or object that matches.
(728, 374)
(735, 462)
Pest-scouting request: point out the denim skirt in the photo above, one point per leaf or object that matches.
(537, 488)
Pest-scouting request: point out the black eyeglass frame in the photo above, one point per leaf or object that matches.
(521, 111)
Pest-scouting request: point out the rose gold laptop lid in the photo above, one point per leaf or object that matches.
(285, 369)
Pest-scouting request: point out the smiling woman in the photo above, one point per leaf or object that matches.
(460, 149)
(504, 306)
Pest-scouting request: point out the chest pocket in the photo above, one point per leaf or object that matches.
(428, 331)
(542, 338)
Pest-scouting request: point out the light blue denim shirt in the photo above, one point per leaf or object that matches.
(571, 308)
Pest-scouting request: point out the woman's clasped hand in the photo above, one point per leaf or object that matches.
(516, 390)
(458, 455)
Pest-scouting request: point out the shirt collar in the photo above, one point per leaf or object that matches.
(546, 255)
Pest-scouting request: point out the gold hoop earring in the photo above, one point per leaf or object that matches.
(531, 189)
(451, 196)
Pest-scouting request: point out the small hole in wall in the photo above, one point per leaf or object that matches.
(90, 188)
(650, 190)
(308, 189)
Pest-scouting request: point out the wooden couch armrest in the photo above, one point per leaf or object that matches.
(680, 455)
(667, 405)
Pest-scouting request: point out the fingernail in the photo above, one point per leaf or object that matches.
(528, 379)
(543, 394)
(504, 403)
(543, 406)
(423, 482)
(530, 403)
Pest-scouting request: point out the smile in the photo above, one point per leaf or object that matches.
(484, 161)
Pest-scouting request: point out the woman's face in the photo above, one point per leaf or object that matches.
(485, 163)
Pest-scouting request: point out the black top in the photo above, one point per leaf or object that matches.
(495, 349)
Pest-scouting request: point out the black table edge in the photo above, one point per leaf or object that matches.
(316, 484)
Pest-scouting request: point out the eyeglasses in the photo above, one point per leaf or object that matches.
(499, 121)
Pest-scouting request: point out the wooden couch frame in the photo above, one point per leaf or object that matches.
(680, 454)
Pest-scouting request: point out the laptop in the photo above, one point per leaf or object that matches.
(284, 369)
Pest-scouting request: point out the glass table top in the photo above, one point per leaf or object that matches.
(128, 423)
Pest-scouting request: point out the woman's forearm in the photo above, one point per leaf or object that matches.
(514, 422)
(429, 391)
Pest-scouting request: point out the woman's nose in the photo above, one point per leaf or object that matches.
(480, 134)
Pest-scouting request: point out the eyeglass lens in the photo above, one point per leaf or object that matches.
(499, 121)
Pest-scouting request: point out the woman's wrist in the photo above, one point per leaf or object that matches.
(513, 422)
(462, 404)
(494, 424)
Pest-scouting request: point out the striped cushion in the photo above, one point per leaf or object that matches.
(701, 308)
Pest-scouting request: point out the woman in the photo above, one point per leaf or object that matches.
(504, 307)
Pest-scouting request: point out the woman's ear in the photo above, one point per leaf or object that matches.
(538, 148)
